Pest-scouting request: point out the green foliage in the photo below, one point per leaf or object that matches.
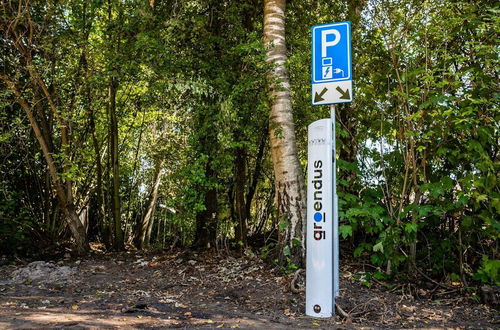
(267, 250)
(488, 272)
(16, 226)
(287, 265)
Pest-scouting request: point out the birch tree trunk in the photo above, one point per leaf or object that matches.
(289, 178)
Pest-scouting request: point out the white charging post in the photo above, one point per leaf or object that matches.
(320, 228)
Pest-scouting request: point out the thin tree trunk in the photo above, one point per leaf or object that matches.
(134, 182)
(289, 178)
(416, 203)
(99, 189)
(146, 224)
(240, 206)
(115, 169)
(66, 151)
(45, 125)
(256, 172)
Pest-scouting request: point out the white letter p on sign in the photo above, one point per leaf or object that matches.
(325, 43)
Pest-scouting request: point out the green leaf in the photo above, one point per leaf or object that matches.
(283, 224)
(378, 247)
(411, 227)
(286, 251)
(345, 231)
(358, 251)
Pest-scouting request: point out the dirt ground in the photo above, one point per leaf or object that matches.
(190, 290)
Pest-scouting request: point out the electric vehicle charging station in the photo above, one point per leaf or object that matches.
(331, 84)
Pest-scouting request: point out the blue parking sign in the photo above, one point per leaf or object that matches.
(331, 63)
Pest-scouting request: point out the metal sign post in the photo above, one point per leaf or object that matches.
(335, 201)
(331, 84)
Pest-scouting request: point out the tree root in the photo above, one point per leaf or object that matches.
(293, 286)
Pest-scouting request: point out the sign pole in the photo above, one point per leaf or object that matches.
(336, 247)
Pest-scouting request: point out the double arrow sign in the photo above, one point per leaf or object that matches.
(344, 95)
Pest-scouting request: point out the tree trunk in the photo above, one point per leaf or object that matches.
(98, 189)
(134, 183)
(67, 157)
(207, 140)
(77, 229)
(240, 229)
(289, 178)
(256, 172)
(115, 169)
(206, 220)
(146, 225)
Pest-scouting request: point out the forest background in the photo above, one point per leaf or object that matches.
(147, 124)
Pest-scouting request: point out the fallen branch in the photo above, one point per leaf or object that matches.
(363, 304)
(447, 292)
(342, 312)
(365, 265)
(435, 282)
